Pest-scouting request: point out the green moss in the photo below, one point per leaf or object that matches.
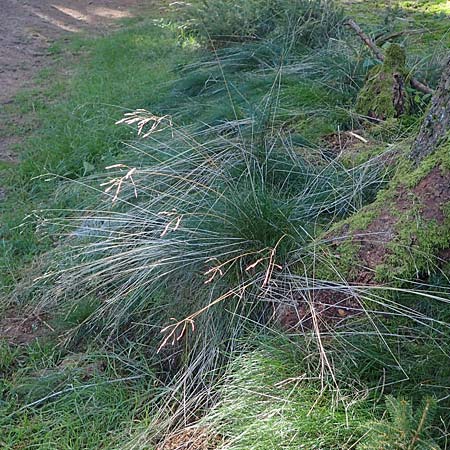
(412, 253)
(410, 176)
(395, 58)
(376, 97)
(418, 240)
(339, 263)
(359, 155)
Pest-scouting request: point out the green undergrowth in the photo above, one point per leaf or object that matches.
(421, 27)
(169, 282)
(271, 397)
(311, 23)
(51, 399)
(270, 401)
(73, 120)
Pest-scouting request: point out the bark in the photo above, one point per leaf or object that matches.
(412, 215)
(435, 127)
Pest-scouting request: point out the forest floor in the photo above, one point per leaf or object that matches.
(69, 70)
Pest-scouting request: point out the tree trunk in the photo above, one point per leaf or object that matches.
(435, 127)
(404, 235)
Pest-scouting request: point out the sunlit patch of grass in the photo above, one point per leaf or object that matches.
(76, 133)
(269, 401)
(433, 6)
(420, 26)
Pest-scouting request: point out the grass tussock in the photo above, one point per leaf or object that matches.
(308, 22)
(179, 258)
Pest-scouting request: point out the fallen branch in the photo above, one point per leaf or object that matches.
(416, 84)
(366, 39)
(385, 37)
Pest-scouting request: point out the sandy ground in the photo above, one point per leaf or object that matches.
(28, 27)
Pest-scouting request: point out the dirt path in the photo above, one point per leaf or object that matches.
(28, 27)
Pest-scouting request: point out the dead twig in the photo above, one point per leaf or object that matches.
(385, 37)
(366, 39)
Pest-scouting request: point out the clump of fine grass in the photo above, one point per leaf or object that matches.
(207, 230)
(310, 21)
(203, 241)
(317, 87)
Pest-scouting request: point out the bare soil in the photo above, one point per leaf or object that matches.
(17, 328)
(193, 438)
(29, 27)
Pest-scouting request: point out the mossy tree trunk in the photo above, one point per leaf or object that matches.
(405, 233)
(384, 95)
(436, 125)
(403, 236)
